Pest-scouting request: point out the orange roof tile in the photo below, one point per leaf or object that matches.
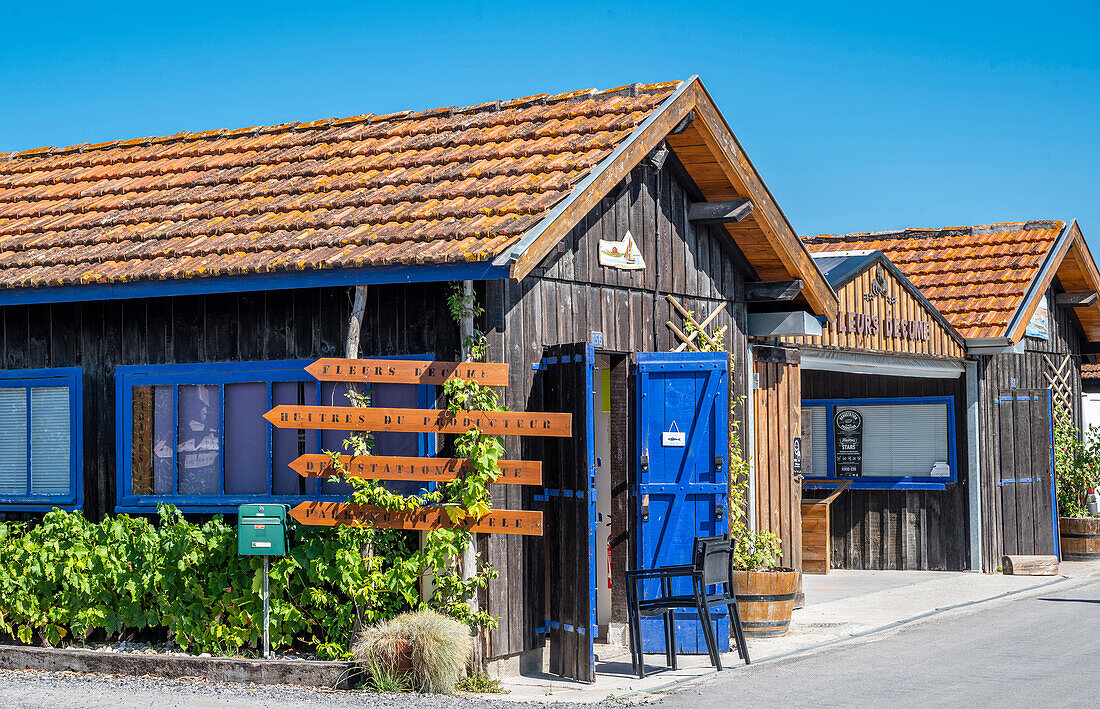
(975, 276)
(1090, 371)
(445, 185)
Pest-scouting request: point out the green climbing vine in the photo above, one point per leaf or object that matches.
(466, 497)
(713, 342)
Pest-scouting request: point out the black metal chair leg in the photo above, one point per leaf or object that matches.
(636, 634)
(632, 612)
(672, 635)
(666, 617)
(708, 631)
(738, 631)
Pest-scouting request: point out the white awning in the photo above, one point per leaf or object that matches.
(886, 365)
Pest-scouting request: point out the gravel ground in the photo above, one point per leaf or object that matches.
(33, 689)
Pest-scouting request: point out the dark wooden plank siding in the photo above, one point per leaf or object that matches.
(570, 297)
(1019, 371)
(910, 529)
(98, 336)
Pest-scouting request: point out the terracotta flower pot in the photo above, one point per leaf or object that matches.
(1080, 538)
(765, 600)
(402, 654)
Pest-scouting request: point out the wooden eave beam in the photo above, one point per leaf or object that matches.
(777, 229)
(719, 212)
(1076, 300)
(771, 291)
(605, 180)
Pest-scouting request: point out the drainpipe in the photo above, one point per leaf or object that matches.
(465, 331)
(748, 438)
(974, 476)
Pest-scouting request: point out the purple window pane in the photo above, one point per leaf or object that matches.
(335, 394)
(246, 438)
(404, 396)
(199, 442)
(164, 424)
(286, 444)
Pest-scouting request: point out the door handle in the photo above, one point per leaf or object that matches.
(645, 508)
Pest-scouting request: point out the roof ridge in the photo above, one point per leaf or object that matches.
(937, 232)
(628, 90)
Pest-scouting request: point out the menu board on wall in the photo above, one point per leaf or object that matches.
(848, 443)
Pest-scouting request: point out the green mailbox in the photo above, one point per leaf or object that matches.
(262, 530)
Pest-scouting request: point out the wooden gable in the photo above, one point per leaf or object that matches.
(882, 313)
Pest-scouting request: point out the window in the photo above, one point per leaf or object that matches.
(194, 435)
(893, 443)
(40, 453)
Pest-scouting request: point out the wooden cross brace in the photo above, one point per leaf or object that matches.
(699, 327)
(1059, 384)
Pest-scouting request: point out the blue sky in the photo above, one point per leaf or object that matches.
(860, 116)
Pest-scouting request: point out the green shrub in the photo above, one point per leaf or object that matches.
(439, 647)
(66, 577)
(1076, 462)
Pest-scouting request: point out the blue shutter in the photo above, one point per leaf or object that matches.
(13, 441)
(51, 445)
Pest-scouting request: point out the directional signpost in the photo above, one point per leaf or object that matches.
(380, 467)
(398, 371)
(353, 418)
(422, 518)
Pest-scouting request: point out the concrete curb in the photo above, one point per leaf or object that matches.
(308, 673)
(1079, 580)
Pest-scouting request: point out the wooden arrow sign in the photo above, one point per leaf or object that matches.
(330, 514)
(353, 418)
(377, 467)
(404, 371)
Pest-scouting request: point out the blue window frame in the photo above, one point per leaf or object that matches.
(193, 435)
(41, 432)
(924, 424)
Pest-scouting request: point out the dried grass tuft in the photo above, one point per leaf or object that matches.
(439, 648)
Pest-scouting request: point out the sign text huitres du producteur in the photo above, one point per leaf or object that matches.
(352, 418)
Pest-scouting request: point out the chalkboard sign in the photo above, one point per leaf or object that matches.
(848, 443)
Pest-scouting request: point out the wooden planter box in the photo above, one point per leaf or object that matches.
(816, 547)
(765, 600)
(1080, 538)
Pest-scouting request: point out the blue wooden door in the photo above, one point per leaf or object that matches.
(568, 471)
(682, 404)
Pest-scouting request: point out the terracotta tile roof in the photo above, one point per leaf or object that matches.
(446, 185)
(975, 276)
(1090, 371)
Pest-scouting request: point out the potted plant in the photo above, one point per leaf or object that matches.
(1077, 463)
(423, 650)
(765, 592)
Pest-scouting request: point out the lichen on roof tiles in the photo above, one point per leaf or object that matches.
(442, 185)
(975, 276)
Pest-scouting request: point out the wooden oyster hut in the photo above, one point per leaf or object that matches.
(981, 329)
(158, 295)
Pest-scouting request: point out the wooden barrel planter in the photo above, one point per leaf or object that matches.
(765, 600)
(1080, 538)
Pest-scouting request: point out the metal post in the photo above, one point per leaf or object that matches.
(267, 614)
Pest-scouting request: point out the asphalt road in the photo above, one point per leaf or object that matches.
(1037, 652)
(1034, 652)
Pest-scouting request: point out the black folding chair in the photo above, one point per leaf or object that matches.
(712, 565)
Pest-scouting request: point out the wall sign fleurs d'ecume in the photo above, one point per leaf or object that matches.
(623, 254)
